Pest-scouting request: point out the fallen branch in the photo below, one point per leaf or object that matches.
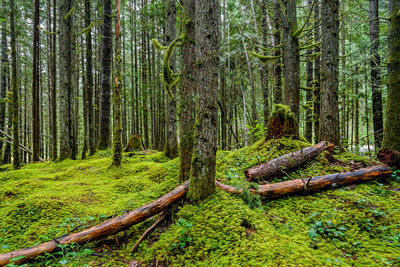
(101, 230)
(154, 225)
(21, 146)
(314, 184)
(287, 162)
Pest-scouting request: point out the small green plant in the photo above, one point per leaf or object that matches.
(326, 229)
(184, 239)
(252, 200)
(67, 253)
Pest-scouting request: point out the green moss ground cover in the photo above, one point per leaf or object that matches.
(350, 226)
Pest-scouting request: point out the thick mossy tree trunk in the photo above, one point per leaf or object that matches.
(291, 57)
(329, 119)
(14, 89)
(117, 136)
(282, 123)
(202, 181)
(391, 133)
(67, 48)
(187, 91)
(104, 133)
(375, 71)
(171, 140)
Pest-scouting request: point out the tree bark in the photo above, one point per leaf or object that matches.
(171, 140)
(291, 57)
(375, 71)
(53, 91)
(391, 132)
(329, 120)
(188, 91)
(101, 230)
(35, 86)
(202, 182)
(3, 78)
(286, 163)
(104, 133)
(316, 183)
(317, 76)
(14, 89)
(277, 52)
(67, 47)
(310, 83)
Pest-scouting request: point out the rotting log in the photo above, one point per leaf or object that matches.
(101, 230)
(316, 183)
(286, 163)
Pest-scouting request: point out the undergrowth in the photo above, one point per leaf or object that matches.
(355, 225)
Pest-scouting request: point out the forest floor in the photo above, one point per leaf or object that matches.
(354, 225)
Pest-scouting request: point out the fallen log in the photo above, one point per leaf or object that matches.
(313, 184)
(101, 230)
(286, 163)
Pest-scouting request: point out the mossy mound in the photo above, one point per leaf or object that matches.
(282, 123)
(135, 143)
(355, 225)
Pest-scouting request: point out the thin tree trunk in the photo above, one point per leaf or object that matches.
(35, 86)
(104, 134)
(3, 78)
(317, 76)
(277, 52)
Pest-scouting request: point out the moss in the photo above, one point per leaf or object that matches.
(282, 123)
(41, 200)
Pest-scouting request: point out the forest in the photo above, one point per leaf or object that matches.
(200, 133)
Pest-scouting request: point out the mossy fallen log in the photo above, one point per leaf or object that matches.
(316, 183)
(101, 230)
(286, 163)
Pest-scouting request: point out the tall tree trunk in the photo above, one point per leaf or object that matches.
(329, 120)
(35, 87)
(3, 77)
(188, 91)
(375, 71)
(202, 182)
(133, 72)
(317, 76)
(310, 78)
(89, 80)
(391, 133)
(14, 88)
(67, 46)
(223, 74)
(104, 134)
(145, 85)
(356, 110)
(124, 94)
(171, 140)
(117, 136)
(264, 69)
(277, 52)
(53, 91)
(291, 57)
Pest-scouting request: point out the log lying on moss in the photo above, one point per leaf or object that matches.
(316, 183)
(101, 230)
(286, 163)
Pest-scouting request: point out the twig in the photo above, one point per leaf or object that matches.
(162, 216)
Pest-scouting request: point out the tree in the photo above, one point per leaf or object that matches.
(317, 69)
(117, 137)
(202, 181)
(277, 52)
(291, 56)
(3, 77)
(89, 79)
(53, 91)
(67, 48)
(14, 89)
(171, 140)
(329, 120)
(104, 133)
(35, 86)
(391, 132)
(187, 91)
(309, 72)
(375, 71)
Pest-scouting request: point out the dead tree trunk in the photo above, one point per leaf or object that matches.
(286, 163)
(313, 184)
(104, 229)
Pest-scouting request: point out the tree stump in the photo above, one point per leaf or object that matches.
(134, 143)
(282, 123)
